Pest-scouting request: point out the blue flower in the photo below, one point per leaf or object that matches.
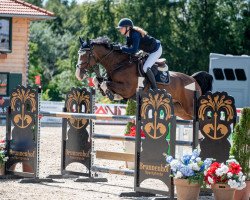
(202, 167)
(169, 159)
(195, 154)
(186, 171)
(186, 159)
(208, 162)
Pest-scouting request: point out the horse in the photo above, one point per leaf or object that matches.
(123, 73)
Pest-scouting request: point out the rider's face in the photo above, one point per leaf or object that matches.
(122, 30)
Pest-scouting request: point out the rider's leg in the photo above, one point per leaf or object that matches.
(151, 78)
(152, 58)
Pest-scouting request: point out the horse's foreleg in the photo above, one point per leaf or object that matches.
(122, 89)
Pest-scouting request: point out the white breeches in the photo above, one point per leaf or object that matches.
(152, 58)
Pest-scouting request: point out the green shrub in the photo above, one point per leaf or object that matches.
(241, 142)
(130, 110)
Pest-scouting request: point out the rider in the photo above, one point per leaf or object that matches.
(138, 39)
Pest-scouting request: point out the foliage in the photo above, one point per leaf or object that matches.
(229, 173)
(241, 142)
(3, 157)
(130, 110)
(190, 167)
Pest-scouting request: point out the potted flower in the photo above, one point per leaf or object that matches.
(241, 150)
(224, 179)
(3, 159)
(188, 174)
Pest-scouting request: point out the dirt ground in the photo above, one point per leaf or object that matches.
(60, 189)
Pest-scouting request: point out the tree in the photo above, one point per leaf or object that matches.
(38, 3)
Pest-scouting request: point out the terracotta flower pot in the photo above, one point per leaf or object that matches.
(223, 192)
(243, 194)
(186, 191)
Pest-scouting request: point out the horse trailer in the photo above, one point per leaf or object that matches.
(232, 75)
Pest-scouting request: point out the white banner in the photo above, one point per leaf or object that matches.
(56, 106)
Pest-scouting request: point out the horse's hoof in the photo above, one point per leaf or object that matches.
(110, 95)
(117, 97)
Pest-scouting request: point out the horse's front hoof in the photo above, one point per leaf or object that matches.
(110, 95)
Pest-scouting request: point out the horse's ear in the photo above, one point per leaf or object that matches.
(88, 42)
(81, 41)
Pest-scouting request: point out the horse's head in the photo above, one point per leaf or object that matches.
(97, 51)
(86, 59)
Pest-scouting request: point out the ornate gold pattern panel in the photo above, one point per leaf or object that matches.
(23, 103)
(78, 101)
(156, 109)
(157, 122)
(215, 114)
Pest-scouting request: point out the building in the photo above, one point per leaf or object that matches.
(15, 19)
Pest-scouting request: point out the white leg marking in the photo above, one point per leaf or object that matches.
(117, 97)
(95, 81)
(77, 74)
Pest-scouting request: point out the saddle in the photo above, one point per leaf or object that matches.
(160, 69)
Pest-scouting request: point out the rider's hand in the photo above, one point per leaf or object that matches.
(115, 47)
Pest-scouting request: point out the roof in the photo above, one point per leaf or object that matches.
(19, 8)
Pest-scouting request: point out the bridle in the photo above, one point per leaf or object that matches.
(97, 60)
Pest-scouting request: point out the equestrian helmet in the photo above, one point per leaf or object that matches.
(124, 22)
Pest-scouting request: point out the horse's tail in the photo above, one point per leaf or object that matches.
(205, 81)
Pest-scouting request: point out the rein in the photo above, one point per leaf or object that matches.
(91, 54)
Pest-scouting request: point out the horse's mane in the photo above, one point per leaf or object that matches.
(104, 40)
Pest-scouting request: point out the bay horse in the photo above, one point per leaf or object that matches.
(123, 76)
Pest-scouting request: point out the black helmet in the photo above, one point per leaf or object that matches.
(125, 22)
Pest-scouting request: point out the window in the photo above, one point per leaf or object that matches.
(5, 35)
(240, 75)
(218, 74)
(229, 73)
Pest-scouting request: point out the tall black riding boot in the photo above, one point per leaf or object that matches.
(151, 78)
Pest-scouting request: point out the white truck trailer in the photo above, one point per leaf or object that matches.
(232, 75)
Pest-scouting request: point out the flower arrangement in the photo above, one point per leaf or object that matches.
(132, 132)
(189, 166)
(229, 173)
(3, 157)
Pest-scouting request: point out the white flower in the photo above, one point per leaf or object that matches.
(198, 159)
(222, 170)
(241, 186)
(210, 180)
(232, 183)
(178, 175)
(229, 174)
(232, 160)
(174, 165)
(194, 166)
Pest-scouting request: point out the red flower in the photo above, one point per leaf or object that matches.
(132, 132)
(234, 168)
